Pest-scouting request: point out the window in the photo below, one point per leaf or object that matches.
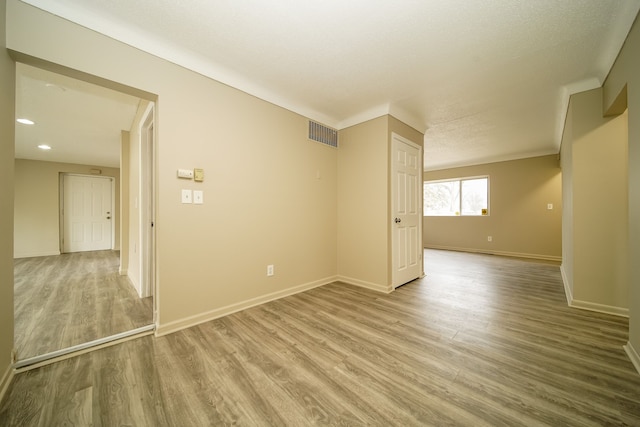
(454, 197)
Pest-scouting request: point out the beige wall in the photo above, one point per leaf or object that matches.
(264, 203)
(362, 204)
(600, 209)
(37, 205)
(405, 131)
(7, 126)
(626, 73)
(518, 222)
(364, 226)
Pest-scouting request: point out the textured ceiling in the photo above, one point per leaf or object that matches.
(488, 79)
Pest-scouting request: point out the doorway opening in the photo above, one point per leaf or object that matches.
(79, 208)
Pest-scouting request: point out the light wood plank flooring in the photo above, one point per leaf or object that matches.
(481, 340)
(70, 299)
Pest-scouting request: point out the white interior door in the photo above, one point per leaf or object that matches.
(406, 208)
(87, 213)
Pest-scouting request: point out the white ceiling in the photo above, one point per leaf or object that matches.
(489, 80)
(81, 122)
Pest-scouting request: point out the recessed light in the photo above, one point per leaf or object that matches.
(26, 121)
(44, 147)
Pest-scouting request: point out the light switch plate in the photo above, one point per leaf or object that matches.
(198, 197)
(198, 175)
(186, 196)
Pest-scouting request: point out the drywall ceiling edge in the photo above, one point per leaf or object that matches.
(177, 55)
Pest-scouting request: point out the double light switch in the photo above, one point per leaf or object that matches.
(196, 197)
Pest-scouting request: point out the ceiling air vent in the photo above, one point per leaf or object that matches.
(323, 134)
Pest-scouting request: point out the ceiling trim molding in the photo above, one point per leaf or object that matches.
(370, 114)
(383, 110)
(408, 118)
(497, 159)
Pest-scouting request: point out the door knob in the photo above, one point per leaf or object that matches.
(397, 220)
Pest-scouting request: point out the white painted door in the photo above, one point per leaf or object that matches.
(406, 208)
(87, 213)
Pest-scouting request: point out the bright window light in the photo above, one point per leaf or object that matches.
(457, 197)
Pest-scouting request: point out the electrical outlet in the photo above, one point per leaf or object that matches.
(270, 271)
(550, 206)
(489, 239)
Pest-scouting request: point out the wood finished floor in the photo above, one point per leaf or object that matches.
(482, 340)
(69, 299)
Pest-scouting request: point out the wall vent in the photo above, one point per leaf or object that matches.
(323, 134)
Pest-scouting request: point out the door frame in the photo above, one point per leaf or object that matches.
(148, 205)
(399, 138)
(61, 176)
(47, 358)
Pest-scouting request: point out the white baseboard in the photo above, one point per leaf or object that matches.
(568, 293)
(5, 381)
(500, 253)
(35, 254)
(586, 305)
(364, 284)
(600, 308)
(633, 355)
(187, 322)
